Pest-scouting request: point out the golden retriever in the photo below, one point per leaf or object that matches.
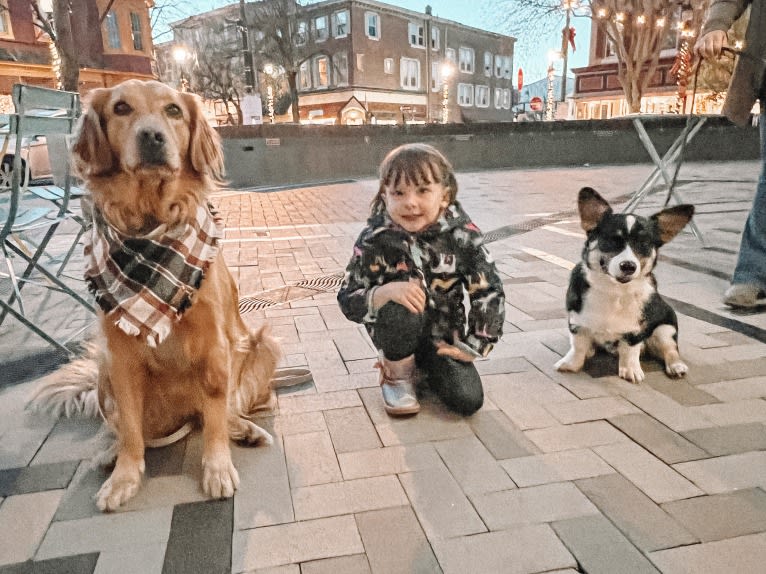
(149, 158)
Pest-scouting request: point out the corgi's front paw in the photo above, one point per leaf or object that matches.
(676, 370)
(631, 373)
(568, 365)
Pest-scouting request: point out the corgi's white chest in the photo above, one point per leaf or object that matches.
(610, 310)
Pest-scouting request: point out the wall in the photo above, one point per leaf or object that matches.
(274, 155)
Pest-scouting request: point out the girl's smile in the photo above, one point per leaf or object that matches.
(415, 206)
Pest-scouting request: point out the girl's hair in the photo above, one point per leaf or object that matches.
(415, 164)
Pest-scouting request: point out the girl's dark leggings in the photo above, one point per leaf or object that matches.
(399, 333)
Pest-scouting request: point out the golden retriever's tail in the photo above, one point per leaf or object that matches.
(261, 353)
(71, 390)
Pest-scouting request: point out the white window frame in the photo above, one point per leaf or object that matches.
(466, 58)
(340, 68)
(499, 65)
(6, 30)
(436, 76)
(488, 64)
(506, 99)
(112, 23)
(465, 95)
(367, 16)
(405, 67)
(449, 53)
(416, 35)
(301, 33)
(507, 62)
(321, 33)
(388, 65)
(498, 98)
(482, 96)
(304, 79)
(315, 71)
(435, 34)
(336, 24)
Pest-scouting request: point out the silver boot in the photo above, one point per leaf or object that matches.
(397, 382)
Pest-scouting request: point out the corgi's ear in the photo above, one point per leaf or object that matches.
(672, 220)
(592, 208)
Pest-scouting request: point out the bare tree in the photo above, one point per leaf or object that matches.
(58, 26)
(282, 40)
(218, 72)
(636, 30)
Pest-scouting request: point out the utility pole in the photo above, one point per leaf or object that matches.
(427, 33)
(565, 49)
(247, 55)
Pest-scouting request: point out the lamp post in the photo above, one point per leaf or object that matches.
(268, 69)
(446, 72)
(180, 55)
(552, 56)
(569, 6)
(247, 55)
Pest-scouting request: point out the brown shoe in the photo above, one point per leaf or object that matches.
(397, 383)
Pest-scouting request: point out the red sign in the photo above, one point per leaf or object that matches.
(536, 104)
(520, 81)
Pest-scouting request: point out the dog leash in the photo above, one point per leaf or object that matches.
(726, 49)
(287, 377)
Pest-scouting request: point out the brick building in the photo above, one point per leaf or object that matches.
(109, 53)
(377, 63)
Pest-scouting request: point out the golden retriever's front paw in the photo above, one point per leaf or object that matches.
(117, 490)
(219, 477)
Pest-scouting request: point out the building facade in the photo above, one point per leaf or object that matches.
(371, 62)
(108, 53)
(598, 93)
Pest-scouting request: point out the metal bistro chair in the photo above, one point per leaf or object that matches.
(39, 112)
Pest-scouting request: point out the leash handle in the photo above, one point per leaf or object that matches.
(290, 377)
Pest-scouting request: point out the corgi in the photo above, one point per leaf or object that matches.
(612, 300)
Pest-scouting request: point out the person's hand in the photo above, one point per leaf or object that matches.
(709, 46)
(409, 294)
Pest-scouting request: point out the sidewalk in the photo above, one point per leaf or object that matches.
(556, 473)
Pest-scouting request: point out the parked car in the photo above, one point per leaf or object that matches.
(34, 156)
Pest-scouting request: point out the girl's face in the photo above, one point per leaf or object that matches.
(415, 206)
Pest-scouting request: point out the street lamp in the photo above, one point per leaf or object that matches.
(268, 69)
(180, 55)
(552, 56)
(569, 6)
(446, 72)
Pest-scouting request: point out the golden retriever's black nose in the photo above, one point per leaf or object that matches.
(151, 145)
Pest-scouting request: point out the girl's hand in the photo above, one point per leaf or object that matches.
(709, 46)
(409, 294)
(446, 350)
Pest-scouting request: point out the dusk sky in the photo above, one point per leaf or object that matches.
(531, 52)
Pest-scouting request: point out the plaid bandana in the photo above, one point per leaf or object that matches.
(145, 283)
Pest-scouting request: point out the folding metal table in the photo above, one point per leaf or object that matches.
(665, 166)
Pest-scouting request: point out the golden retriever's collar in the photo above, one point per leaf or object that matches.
(145, 283)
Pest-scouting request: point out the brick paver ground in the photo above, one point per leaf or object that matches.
(556, 473)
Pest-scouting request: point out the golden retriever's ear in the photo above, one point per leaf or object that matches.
(205, 151)
(90, 150)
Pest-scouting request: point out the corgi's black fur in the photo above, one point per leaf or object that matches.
(612, 300)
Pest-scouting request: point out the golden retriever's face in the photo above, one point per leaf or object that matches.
(146, 153)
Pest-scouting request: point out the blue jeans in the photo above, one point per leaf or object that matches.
(751, 263)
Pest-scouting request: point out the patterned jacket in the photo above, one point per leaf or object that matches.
(447, 257)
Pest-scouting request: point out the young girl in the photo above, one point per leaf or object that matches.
(405, 283)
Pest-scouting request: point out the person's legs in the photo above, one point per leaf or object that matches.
(749, 280)
(457, 384)
(396, 334)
